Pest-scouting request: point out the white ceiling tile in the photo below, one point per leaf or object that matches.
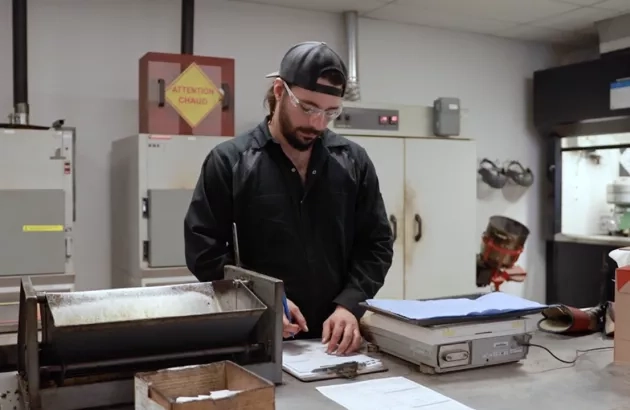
(546, 35)
(409, 13)
(333, 6)
(580, 2)
(517, 11)
(557, 21)
(576, 20)
(621, 5)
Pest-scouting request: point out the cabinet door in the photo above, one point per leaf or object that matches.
(440, 218)
(387, 154)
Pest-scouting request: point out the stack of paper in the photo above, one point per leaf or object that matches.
(393, 393)
(492, 303)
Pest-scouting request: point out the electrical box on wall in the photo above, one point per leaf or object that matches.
(446, 117)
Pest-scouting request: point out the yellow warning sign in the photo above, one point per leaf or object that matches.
(193, 95)
(42, 228)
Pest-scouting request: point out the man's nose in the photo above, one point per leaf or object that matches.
(319, 121)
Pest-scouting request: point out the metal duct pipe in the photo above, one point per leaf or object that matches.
(351, 21)
(20, 64)
(188, 26)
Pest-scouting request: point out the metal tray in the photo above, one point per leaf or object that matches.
(450, 320)
(119, 323)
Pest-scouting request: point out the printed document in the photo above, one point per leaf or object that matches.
(392, 393)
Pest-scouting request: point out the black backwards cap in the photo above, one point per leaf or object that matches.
(305, 63)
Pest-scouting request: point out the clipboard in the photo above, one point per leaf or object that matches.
(307, 361)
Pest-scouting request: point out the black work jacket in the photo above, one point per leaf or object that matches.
(328, 239)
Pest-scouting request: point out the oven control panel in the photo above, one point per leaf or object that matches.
(368, 119)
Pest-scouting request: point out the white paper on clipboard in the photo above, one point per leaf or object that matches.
(304, 359)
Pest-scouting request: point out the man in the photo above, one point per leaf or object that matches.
(306, 203)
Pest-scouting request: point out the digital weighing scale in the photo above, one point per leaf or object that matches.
(451, 344)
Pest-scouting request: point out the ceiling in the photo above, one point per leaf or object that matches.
(567, 22)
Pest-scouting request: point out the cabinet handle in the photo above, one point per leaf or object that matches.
(227, 96)
(418, 234)
(161, 92)
(394, 222)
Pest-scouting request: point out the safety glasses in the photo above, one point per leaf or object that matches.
(312, 111)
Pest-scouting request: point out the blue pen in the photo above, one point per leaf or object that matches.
(287, 312)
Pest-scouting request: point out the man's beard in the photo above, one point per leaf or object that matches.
(290, 133)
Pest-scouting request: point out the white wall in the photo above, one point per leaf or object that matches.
(83, 60)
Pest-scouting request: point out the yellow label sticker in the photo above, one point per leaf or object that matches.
(42, 228)
(448, 332)
(193, 95)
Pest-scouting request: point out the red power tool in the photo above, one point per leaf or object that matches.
(501, 246)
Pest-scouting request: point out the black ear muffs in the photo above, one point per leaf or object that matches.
(491, 174)
(519, 174)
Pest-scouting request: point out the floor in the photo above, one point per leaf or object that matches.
(540, 382)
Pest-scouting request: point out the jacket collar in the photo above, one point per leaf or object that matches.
(263, 136)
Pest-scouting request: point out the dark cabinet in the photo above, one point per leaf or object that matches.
(579, 275)
(578, 92)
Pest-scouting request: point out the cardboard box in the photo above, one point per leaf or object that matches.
(622, 314)
(216, 386)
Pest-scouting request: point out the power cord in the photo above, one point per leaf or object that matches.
(578, 353)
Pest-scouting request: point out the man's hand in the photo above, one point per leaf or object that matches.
(341, 332)
(299, 323)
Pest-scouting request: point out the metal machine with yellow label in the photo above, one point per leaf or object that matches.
(186, 109)
(37, 213)
(448, 345)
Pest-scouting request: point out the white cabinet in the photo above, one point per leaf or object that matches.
(387, 154)
(429, 189)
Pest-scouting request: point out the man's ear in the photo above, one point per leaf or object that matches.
(278, 88)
